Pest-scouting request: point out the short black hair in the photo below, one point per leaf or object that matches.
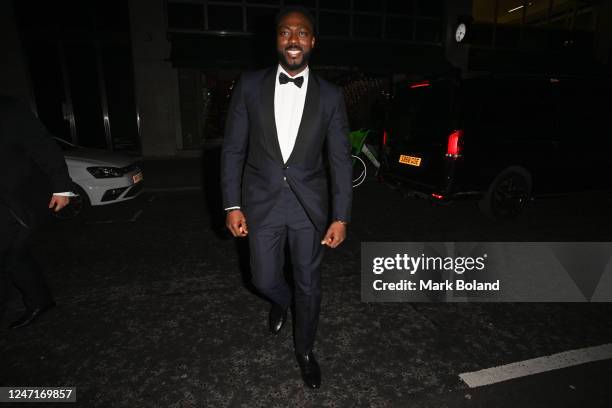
(296, 8)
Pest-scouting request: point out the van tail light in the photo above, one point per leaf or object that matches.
(454, 144)
(437, 196)
(384, 138)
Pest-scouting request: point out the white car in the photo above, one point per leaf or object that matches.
(100, 177)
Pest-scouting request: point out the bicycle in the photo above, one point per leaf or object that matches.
(359, 146)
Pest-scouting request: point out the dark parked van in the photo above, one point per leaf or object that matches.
(501, 139)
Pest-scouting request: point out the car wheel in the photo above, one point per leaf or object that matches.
(77, 207)
(508, 194)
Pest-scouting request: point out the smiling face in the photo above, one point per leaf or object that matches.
(294, 42)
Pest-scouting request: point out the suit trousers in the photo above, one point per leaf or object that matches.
(288, 222)
(18, 264)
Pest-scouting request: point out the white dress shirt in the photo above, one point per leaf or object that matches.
(289, 103)
(288, 108)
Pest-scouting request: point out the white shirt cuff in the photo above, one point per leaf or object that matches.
(233, 208)
(65, 194)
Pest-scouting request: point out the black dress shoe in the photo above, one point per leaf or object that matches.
(30, 316)
(311, 372)
(277, 318)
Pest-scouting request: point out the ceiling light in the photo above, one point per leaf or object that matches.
(519, 7)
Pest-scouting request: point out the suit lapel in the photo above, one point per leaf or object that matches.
(267, 115)
(310, 120)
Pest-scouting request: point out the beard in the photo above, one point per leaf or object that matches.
(290, 65)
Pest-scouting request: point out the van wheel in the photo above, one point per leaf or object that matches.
(77, 207)
(508, 194)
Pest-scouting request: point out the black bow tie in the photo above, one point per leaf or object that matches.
(283, 79)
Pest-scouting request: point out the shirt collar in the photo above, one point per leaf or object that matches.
(304, 73)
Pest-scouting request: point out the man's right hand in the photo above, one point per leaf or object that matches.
(235, 221)
(58, 202)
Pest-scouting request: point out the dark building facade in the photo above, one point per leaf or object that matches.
(79, 67)
(157, 75)
(360, 45)
(540, 36)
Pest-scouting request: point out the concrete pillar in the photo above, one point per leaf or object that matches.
(14, 75)
(156, 82)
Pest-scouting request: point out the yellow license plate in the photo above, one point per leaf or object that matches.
(137, 178)
(410, 160)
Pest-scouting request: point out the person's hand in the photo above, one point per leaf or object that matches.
(58, 202)
(336, 233)
(236, 223)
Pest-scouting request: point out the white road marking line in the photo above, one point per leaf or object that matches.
(537, 365)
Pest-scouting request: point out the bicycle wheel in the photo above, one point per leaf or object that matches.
(359, 171)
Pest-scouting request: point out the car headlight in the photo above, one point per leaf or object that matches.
(105, 172)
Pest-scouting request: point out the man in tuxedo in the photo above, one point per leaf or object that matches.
(28, 156)
(286, 132)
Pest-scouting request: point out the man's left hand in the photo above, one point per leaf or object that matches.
(336, 233)
(58, 202)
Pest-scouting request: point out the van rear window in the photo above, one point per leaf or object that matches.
(421, 112)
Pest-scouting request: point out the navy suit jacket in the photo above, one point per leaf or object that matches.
(252, 166)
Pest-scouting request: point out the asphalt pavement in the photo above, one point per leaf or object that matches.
(155, 309)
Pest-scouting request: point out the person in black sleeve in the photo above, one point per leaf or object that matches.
(28, 154)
